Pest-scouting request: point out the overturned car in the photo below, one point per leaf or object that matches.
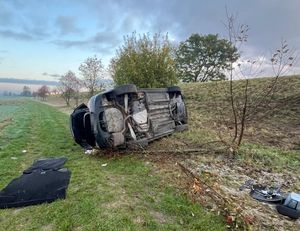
(128, 117)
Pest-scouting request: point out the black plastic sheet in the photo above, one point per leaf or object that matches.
(44, 181)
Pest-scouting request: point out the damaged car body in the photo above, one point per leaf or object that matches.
(127, 116)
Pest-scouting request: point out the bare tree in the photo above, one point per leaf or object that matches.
(77, 86)
(43, 91)
(54, 91)
(92, 71)
(246, 103)
(69, 87)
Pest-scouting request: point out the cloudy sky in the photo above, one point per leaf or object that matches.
(44, 39)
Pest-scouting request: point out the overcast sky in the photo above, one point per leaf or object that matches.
(44, 39)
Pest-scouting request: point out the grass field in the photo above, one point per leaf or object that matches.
(127, 194)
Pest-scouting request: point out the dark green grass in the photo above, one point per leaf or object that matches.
(124, 195)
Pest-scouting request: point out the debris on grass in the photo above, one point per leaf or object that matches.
(232, 212)
(44, 181)
(88, 151)
(267, 194)
(226, 177)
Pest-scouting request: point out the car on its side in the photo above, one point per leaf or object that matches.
(128, 117)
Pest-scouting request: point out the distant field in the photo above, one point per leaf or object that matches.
(17, 88)
(127, 194)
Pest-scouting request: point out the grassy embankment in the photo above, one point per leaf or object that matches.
(271, 141)
(269, 154)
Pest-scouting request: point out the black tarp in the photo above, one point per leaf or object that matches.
(46, 164)
(44, 181)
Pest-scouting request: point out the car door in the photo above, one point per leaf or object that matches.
(81, 127)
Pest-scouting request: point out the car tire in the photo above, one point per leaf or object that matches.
(174, 89)
(125, 89)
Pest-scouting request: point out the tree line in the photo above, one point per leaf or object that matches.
(148, 61)
(155, 62)
(41, 92)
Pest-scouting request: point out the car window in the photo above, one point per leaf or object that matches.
(292, 204)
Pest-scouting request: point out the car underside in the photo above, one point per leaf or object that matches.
(128, 117)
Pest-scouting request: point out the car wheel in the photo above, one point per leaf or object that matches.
(125, 89)
(174, 89)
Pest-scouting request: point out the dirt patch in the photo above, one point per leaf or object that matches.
(47, 228)
(122, 201)
(159, 217)
(139, 220)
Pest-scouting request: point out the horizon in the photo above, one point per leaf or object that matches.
(24, 80)
(15, 85)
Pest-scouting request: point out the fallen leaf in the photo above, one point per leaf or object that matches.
(229, 220)
(196, 186)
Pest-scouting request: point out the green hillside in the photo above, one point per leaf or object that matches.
(279, 127)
